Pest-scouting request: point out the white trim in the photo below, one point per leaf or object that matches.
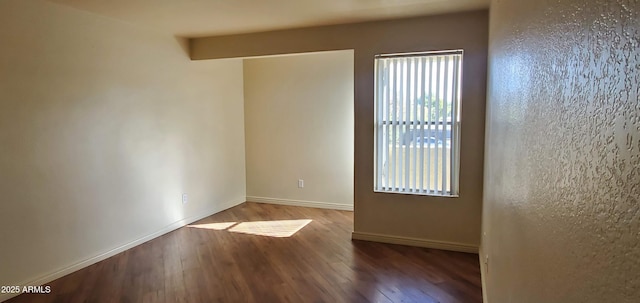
(444, 245)
(58, 273)
(483, 277)
(314, 204)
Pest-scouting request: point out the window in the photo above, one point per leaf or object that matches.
(417, 123)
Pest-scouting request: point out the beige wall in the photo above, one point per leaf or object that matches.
(422, 220)
(102, 127)
(299, 125)
(562, 182)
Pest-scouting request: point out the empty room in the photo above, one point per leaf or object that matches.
(320, 151)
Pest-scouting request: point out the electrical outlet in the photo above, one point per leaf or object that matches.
(486, 263)
(185, 198)
(300, 183)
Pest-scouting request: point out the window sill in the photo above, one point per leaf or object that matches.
(418, 194)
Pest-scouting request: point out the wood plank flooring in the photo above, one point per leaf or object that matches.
(243, 255)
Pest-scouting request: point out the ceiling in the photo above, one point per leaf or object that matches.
(196, 18)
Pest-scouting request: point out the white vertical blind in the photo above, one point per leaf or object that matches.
(417, 126)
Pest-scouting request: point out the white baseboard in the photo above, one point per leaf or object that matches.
(460, 247)
(483, 276)
(55, 274)
(314, 204)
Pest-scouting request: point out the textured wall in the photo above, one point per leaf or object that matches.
(561, 211)
(299, 125)
(425, 218)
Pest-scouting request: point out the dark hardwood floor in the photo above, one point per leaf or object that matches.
(243, 254)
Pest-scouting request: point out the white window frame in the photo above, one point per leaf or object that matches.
(403, 127)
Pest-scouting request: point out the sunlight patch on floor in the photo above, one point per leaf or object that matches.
(278, 229)
(275, 228)
(214, 226)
